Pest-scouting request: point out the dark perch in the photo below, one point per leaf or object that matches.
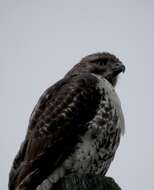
(86, 182)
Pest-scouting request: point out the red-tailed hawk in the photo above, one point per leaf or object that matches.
(75, 126)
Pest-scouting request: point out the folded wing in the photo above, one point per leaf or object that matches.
(58, 119)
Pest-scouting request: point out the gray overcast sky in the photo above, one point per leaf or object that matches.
(41, 40)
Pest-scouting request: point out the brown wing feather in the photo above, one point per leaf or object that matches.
(57, 120)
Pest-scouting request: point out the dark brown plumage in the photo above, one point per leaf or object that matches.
(73, 110)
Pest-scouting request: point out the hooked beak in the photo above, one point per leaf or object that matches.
(119, 67)
(123, 68)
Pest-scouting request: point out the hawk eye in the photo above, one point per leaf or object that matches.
(102, 62)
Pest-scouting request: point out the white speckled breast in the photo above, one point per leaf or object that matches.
(97, 147)
(111, 95)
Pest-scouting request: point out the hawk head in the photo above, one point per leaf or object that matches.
(104, 64)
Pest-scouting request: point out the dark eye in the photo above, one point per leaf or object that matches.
(102, 62)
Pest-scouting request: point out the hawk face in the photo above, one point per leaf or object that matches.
(104, 64)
